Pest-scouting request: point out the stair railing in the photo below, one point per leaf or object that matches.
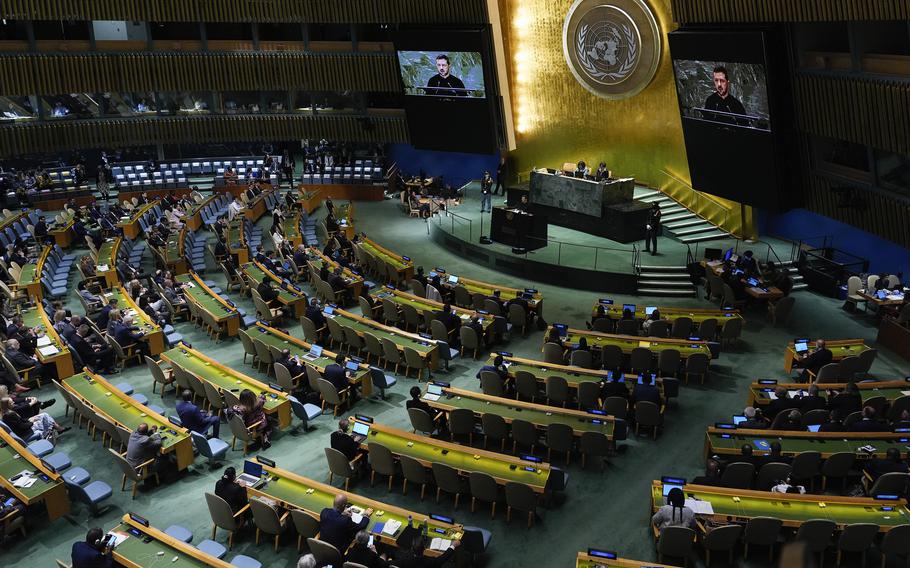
(636, 259)
(724, 214)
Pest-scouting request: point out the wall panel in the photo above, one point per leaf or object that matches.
(111, 133)
(51, 74)
(723, 11)
(865, 111)
(316, 11)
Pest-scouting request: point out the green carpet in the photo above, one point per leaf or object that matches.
(608, 510)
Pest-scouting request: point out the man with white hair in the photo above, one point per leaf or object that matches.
(307, 561)
(754, 419)
(336, 523)
(21, 361)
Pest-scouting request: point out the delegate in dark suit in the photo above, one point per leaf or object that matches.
(344, 444)
(336, 375)
(269, 294)
(364, 555)
(648, 393)
(338, 529)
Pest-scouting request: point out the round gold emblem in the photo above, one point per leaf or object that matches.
(612, 46)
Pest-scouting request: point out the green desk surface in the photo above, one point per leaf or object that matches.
(761, 394)
(463, 460)
(292, 491)
(31, 318)
(209, 302)
(128, 414)
(145, 554)
(627, 344)
(234, 233)
(321, 260)
(29, 274)
(424, 305)
(256, 274)
(172, 249)
(11, 464)
(809, 442)
(197, 206)
(395, 261)
(267, 336)
(697, 315)
(573, 378)
(106, 253)
(792, 510)
(220, 378)
(540, 418)
(291, 226)
(398, 339)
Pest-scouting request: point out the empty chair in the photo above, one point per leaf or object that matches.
(627, 327)
(595, 445)
(616, 406)
(413, 471)
(339, 465)
(522, 498)
(770, 475)
(448, 480)
(213, 449)
(837, 466)
(857, 537)
(553, 353)
(894, 483)
(526, 386)
(697, 364)
(738, 475)
(305, 524)
(581, 359)
(589, 395)
(469, 340)
(560, 438)
(668, 362)
(494, 429)
(611, 357)
(780, 310)
(896, 541)
(223, 517)
(761, 531)
(816, 534)
(325, 553)
(381, 462)
(806, 465)
(461, 423)
(640, 360)
(557, 390)
(676, 542)
(721, 539)
(647, 415)
(267, 520)
(731, 331)
(682, 327)
(524, 435)
(707, 329)
(492, 384)
(483, 488)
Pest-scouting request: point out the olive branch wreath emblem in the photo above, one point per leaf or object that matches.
(588, 65)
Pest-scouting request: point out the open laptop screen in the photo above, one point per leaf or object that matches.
(361, 429)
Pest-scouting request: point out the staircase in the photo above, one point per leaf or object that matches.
(665, 281)
(795, 276)
(680, 223)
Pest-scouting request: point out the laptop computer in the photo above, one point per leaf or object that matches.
(352, 366)
(671, 482)
(630, 307)
(801, 346)
(314, 353)
(814, 427)
(433, 392)
(728, 254)
(453, 279)
(252, 473)
(650, 310)
(361, 431)
(737, 418)
(752, 282)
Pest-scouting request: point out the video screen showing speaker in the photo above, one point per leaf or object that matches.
(442, 74)
(724, 92)
(724, 84)
(445, 79)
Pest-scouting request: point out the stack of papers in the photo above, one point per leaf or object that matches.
(431, 397)
(391, 527)
(442, 543)
(48, 350)
(24, 480)
(43, 340)
(700, 507)
(103, 268)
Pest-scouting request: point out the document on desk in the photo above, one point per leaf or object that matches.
(391, 527)
(43, 340)
(48, 350)
(440, 544)
(700, 507)
(431, 397)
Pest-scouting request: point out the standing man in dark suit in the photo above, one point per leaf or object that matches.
(486, 190)
(653, 228)
(336, 525)
(501, 174)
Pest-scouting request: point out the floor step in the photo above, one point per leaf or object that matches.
(695, 230)
(679, 217)
(661, 198)
(647, 267)
(801, 286)
(672, 284)
(692, 221)
(664, 292)
(671, 208)
(668, 278)
(705, 237)
(643, 192)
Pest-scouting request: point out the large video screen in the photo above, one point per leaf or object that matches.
(445, 78)
(725, 89)
(441, 73)
(724, 92)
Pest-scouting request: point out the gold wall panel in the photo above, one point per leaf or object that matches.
(558, 121)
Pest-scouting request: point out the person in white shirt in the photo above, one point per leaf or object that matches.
(674, 513)
(234, 209)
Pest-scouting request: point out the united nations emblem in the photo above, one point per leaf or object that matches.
(612, 46)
